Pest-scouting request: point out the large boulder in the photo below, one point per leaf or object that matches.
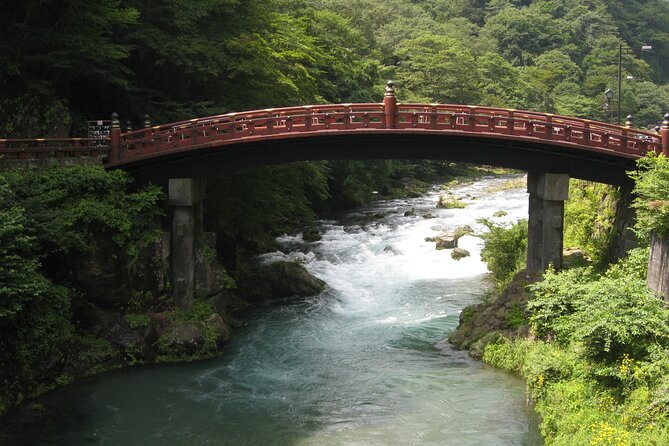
(183, 338)
(574, 258)
(446, 240)
(220, 329)
(459, 253)
(278, 280)
(506, 315)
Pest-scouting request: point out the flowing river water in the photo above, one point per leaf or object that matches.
(366, 363)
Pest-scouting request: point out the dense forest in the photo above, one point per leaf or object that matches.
(63, 62)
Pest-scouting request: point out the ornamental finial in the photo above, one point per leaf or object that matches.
(665, 123)
(115, 123)
(390, 88)
(629, 122)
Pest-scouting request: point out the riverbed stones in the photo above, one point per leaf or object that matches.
(450, 202)
(459, 253)
(277, 281)
(463, 230)
(311, 234)
(392, 250)
(446, 240)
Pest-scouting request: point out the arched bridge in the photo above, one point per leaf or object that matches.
(518, 139)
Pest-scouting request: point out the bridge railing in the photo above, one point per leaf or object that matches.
(230, 128)
(525, 124)
(60, 149)
(252, 124)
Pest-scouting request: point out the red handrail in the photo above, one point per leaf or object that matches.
(389, 116)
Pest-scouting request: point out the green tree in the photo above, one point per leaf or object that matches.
(438, 69)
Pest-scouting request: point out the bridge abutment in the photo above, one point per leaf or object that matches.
(548, 191)
(185, 199)
(658, 265)
(623, 239)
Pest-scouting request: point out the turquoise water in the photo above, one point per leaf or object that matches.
(363, 364)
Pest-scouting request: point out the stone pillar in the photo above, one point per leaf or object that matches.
(548, 191)
(623, 239)
(185, 198)
(658, 266)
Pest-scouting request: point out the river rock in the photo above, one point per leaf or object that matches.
(463, 230)
(574, 258)
(459, 253)
(450, 202)
(446, 240)
(410, 213)
(278, 280)
(183, 338)
(481, 324)
(311, 234)
(221, 330)
(392, 250)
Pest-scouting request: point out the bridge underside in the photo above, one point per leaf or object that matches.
(549, 166)
(521, 155)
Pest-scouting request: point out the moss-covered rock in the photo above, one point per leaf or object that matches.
(446, 240)
(459, 253)
(506, 315)
(276, 281)
(450, 202)
(183, 338)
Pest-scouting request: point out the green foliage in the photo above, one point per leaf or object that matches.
(65, 207)
(609, 316)
(437, 69)
(652, 203)
(505, 249)
(515, 316)
(588, 218)
(135, 320)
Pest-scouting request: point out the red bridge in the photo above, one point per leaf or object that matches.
(551, 148)
(509, 138)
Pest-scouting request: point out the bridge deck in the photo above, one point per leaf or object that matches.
(458, 122)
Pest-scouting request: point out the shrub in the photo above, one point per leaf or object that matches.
(651, 189)
(610, 316)
(505, 249)
(589, 214)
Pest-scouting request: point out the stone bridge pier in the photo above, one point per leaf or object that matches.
(548, 192)
(185, 197)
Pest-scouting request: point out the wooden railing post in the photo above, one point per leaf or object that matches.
(390, 106)
(115, 139)
(664, 135)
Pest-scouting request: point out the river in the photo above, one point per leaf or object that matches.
(365, 363)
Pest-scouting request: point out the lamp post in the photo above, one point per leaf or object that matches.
(644, 49)
(608, 95)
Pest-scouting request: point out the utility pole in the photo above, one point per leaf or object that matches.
(620, 78)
